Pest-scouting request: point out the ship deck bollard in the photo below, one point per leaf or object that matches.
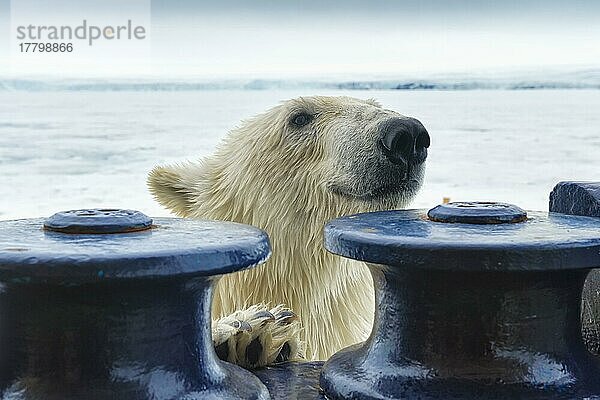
(583, 198)
(473, 301)
(108, 304)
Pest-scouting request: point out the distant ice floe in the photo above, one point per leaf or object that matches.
(579, 79)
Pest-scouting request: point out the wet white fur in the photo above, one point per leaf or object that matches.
(278, 177)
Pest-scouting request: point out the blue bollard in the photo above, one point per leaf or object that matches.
(576, 198)
(473, 301)
(583, 198)
(108, 304)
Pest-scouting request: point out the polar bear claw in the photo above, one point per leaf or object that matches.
(258, 336)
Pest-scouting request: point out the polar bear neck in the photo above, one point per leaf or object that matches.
(332, 296)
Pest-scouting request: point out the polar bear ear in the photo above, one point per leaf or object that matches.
(173, 187)
(373, 102)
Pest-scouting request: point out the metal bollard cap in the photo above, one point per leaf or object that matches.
(474, 212)
(97, 221)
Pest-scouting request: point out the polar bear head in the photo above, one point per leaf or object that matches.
(307, 157)
(289, 171)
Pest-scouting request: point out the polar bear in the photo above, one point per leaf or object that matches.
(289, 171)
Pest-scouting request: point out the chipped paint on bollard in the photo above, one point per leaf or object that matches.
(583, 198)
(123, 315)
(469, 311)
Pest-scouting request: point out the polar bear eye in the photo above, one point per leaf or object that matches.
(301, 119)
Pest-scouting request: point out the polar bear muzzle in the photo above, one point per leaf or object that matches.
(385, 165)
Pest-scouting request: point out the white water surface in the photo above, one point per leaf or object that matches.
(62, 150)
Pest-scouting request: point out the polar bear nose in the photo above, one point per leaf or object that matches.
(404, 140)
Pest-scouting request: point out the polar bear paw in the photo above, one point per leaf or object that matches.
(258, 336)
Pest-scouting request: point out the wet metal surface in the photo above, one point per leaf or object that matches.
(292, 381)
(119, 316)
(469, 311)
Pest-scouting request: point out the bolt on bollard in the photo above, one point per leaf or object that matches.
(473, 301)
(108, 304)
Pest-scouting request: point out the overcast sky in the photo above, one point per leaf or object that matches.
(273, 38)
